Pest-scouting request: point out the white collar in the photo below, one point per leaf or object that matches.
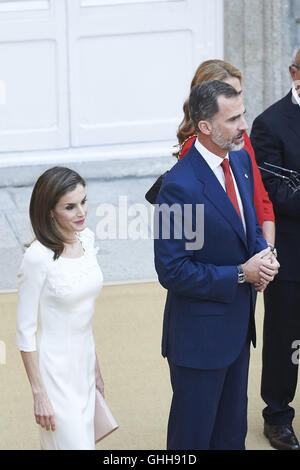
(295, 95)
(211, 159)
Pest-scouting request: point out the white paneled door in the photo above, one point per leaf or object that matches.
(84, 76)
(33, 58)
(131, 63)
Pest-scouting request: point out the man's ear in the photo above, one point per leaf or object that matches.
(292, 72)
(205, 127)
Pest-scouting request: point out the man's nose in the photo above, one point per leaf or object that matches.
(243, 124)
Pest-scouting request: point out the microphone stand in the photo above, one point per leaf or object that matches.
(293, 180)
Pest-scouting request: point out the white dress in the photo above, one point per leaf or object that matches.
(54, 317)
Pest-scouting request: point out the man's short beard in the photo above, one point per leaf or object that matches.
(223, 143)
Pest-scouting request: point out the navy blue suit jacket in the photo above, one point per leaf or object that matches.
(207, 312)
(275, 137)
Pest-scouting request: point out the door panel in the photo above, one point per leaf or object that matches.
(107, 74)
(33, 58)
(131, 64)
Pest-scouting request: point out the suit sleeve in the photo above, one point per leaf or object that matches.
(263, 205)
(268, 148)
(260, 243)
(176, 266)
(31, 277)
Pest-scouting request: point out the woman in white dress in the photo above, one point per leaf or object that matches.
(59, 280)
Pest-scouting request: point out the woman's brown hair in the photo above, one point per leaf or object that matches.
(208, 70)
(49, 188)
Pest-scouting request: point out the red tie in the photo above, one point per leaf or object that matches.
(230, 185)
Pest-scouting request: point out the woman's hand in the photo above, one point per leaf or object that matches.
(43, 411)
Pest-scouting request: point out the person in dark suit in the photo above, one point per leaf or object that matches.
(275, 138)
(211, 267)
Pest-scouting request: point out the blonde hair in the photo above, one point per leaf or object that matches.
(208, 70)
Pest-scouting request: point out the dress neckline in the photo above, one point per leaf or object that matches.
(84, 250)
(77, 257)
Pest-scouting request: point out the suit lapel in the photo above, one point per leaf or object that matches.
(216, 194)
(242, 179)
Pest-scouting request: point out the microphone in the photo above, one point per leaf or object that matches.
(291, 172)
(292, 181)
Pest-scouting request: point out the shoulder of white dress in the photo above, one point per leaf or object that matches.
(37, 253)
(86, 234)
(88, 239)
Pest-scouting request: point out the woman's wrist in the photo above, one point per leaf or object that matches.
(268, 230)
(38, 391)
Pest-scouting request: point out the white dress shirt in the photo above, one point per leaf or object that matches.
(295, 95)
(214, 162)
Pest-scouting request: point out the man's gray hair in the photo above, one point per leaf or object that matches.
(203, 101)
(295, 55)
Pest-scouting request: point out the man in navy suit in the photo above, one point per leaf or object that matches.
(209, 312)
(276, 139)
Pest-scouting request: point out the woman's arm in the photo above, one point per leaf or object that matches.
(31, 278)
(43, 409)
(263, 205)
(268, 229)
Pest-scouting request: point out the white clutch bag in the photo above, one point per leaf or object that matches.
(104, 421)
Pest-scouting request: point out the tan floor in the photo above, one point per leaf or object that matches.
(127, 330)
